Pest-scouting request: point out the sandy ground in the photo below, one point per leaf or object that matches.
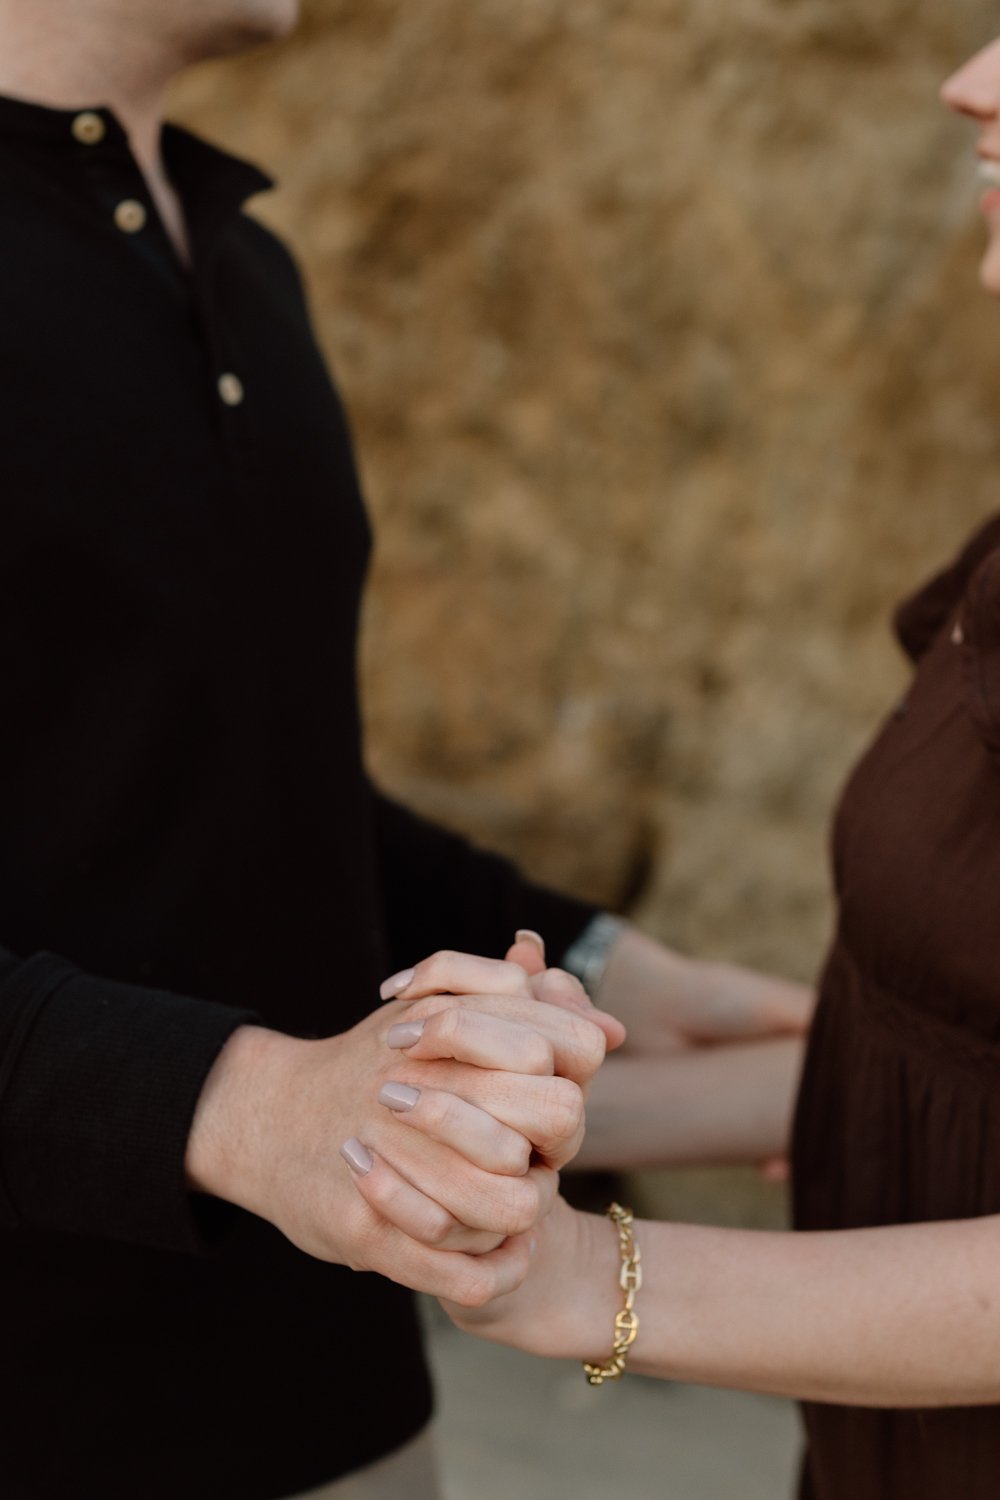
(515, 1426)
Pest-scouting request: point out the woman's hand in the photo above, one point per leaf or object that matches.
(710, 1067)
(565, 1307)
(751, 1023)
(900, 1316)
(668, 1001)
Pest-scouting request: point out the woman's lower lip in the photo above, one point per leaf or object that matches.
(990, 202)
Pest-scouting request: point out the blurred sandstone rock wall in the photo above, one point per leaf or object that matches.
(658, 324)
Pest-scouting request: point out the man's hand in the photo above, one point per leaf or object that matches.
(481, 1096)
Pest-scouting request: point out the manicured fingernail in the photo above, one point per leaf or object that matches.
(526, 935)
(357, 1156)
(405, 1033)
(396, 984)
(398, 1096)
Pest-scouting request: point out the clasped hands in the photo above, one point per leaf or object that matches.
(455, 1104)
(481, 1105)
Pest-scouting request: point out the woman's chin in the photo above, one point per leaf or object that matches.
(989, 269)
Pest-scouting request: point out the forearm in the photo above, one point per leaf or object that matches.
(709, 1106)
(902, 1317)
(439, 890)
(669, 1001)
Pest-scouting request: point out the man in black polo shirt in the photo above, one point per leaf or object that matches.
(194, 871)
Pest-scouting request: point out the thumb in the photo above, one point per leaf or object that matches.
(556, 987)
(528, 950)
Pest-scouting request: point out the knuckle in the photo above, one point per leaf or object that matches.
(481, 1243)
(515, 1154)
(421, 974)
(539, 1056)
(429, 972)
(564, 1108)
(438, 1109)
(450, 1113)
(476, 1287)
(595, 1044)
(587, 1035)
(429, 1223)
(379, 1192)
(521, 1205)
(561, 982)
(437, 1226)
(449, 1024)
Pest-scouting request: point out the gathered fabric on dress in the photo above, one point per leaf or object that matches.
(898, 1119)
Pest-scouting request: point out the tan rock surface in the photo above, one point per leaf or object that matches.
(658, 324)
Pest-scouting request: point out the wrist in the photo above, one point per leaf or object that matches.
(235, 1119)
(587, 958)
(585, 1303)
(640, 973)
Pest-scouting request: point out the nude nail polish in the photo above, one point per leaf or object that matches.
(526, 934)
(357, 1156)
(405, 1033)
(395, 984)
(398, 1096)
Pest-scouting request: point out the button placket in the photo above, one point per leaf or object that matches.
(90, 129)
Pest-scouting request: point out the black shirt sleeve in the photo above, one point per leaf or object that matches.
(440, 891)
(98, 1085)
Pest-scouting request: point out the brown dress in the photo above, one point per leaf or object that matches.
(899, 1115)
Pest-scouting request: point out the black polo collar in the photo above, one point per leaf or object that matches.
(212, 182)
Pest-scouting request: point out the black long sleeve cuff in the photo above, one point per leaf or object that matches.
(98, 1086)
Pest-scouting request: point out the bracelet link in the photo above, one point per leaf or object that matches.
(627, 1320)
(630, 1279)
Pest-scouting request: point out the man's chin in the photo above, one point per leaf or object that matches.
(248, 26)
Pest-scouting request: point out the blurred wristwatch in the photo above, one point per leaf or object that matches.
(587, 957)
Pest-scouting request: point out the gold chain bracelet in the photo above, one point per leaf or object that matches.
(630, 1280)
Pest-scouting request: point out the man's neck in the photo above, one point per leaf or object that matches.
(51, 53)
